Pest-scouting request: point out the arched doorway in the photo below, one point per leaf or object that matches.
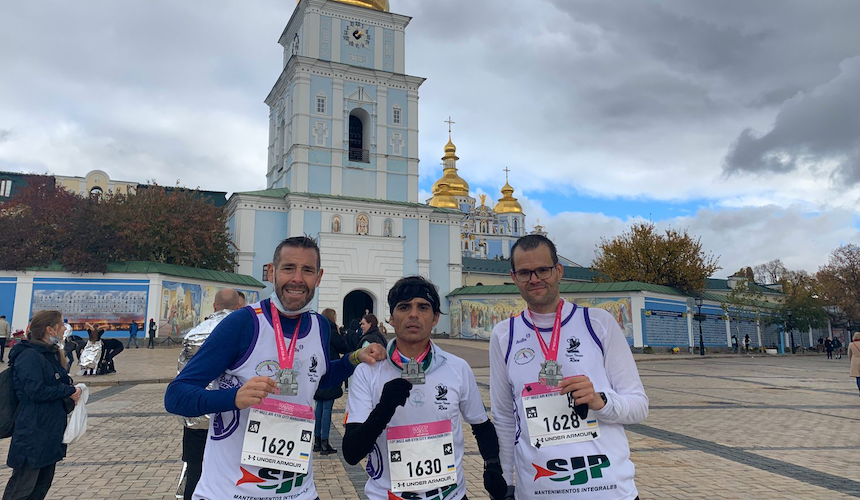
(354, 305)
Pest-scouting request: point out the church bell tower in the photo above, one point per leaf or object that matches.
(343, 115)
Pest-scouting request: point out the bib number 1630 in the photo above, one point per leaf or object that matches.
(424, 468)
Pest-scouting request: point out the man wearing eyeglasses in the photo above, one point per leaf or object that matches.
(563, 384)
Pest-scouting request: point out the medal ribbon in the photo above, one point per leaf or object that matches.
(395, 356)
(285, 355)
(550, 353)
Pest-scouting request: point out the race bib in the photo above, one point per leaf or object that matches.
(279, 436)
(421, 457)
(551, 419)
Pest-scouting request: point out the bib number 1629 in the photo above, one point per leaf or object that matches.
(276, 446)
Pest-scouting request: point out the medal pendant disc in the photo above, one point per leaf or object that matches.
(550, 373)
(413, 372)
(287, 383)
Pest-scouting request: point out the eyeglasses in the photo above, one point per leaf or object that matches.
(542, 273)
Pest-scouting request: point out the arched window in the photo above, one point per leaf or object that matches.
(516, 226)
(96, 192)
(359, 135)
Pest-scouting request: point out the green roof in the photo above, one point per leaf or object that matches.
(625, 286)
(503, 267)
(282, 192)
(142, 267)
(720, 284)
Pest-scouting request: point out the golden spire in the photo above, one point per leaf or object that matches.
(456, 184)
(443, 198)
(507, 203)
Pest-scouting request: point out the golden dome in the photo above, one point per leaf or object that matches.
(368, 4)
(443, 198)
(508, 204)
(457, 185)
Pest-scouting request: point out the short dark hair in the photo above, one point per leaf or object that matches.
(297, 242)
(2, 315)
(532, 241)
(414, 286)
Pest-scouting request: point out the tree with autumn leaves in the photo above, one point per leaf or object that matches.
(45, 224)
(643, 253)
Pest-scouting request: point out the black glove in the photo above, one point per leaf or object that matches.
(581, 410)
(494, 482)
(394, 393)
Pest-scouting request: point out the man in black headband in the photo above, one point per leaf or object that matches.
(420, 394)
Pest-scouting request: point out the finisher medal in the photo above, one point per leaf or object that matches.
(550, 373)
(413, 371)
(288, 385)
(286, 378)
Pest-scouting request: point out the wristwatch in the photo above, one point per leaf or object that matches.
(603, 397)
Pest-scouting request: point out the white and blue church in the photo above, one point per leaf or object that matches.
(343, 168)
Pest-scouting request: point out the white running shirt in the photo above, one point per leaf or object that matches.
(448, 391)
(595, 470)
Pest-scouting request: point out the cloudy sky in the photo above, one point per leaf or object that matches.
(739, 120)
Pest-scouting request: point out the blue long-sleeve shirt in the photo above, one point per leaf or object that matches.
(226, 347)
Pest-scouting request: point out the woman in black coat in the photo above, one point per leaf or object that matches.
(325, 397)
(370, 327)
(45, 396)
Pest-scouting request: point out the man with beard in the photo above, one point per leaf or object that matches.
(563, 384)
(195, 429)
(242, 355)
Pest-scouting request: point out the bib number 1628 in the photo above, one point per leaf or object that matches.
(561, 422)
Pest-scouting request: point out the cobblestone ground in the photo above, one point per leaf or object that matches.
(720, 427)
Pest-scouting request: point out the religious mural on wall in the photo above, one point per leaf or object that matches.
(475, 318)
(108, 308)
(184, 305)
(181, 304)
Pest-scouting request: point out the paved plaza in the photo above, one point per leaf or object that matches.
(720, 427)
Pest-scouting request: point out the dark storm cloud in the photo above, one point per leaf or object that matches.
(817, 128)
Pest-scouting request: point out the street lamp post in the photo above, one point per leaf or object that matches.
(790, 330)
(699, 318)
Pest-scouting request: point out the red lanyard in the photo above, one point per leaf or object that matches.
(395, 356)
(550, 353)
(285, 356)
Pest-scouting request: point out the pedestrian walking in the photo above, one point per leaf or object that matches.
(735, 344)
(45, 396)
(152, 329)
(828, 346)
(837, 347)
(854, 357)
(132, 335)
(747, 342)
(325, 397)
(4, 334)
